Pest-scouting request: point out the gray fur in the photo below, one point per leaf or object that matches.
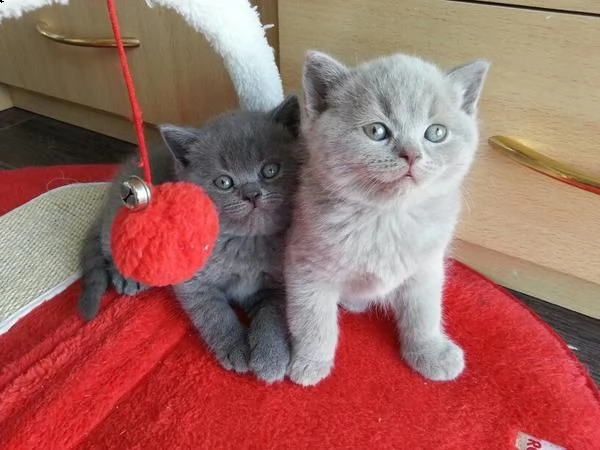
(245, 268)
(363, 231)
(96, 276)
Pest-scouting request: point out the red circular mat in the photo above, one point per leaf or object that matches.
(139, 377)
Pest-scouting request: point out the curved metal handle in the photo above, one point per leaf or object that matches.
(42, 28)
(545, 165)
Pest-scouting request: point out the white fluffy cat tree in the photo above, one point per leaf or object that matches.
(234, 31)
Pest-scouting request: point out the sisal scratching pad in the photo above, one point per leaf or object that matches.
(40, 246)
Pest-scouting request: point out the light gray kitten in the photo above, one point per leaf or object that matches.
(246, 162)
(389, 143)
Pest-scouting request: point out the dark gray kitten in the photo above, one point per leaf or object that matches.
(247, 163)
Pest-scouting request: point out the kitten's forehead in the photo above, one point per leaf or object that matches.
(239, 143)
(398, 85)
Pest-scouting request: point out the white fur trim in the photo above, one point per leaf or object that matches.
(15, 9)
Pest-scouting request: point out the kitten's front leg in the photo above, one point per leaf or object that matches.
(268, 336)
(425, 346)
(124, 286)
(217, 323)
(312, 320)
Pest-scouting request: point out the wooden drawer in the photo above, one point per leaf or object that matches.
(543, 88)
(178, 77)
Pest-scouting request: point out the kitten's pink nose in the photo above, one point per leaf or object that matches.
(409, 155)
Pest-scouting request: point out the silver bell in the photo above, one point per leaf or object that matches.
(135, 193)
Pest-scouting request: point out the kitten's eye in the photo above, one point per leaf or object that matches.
(270, 170)
(224, 182)
(376, 131)
(436, 133)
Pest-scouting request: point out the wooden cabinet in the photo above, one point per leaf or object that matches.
(576, 6)
(523, 229)
(178, 77)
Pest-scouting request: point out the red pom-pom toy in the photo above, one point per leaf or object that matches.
(166, 242)
(167, 232)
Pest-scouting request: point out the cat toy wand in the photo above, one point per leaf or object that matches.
(165, 233)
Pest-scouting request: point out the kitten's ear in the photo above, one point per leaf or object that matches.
(469, 78)
(287, 113)
(321, 72)
(179, 140)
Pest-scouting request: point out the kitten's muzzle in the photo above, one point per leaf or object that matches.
(410, 155)
(251, 193)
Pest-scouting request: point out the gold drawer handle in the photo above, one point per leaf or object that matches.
(42, 28)
(545, 165)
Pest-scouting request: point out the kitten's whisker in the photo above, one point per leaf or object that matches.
(235, 208)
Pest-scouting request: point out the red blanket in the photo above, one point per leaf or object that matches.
(139, 377)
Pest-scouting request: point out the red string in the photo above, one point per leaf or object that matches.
(135, 107)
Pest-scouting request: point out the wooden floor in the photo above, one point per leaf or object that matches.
(27, 139)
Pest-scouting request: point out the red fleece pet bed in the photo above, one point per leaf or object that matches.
(139, 377)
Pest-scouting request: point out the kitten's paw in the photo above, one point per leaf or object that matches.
(438, 360)
(269, 360)
(235, 356)
(308, 373)
(125, 286)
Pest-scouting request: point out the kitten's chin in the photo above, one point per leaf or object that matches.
(391, 187)
(255, 223)
(394, 184)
